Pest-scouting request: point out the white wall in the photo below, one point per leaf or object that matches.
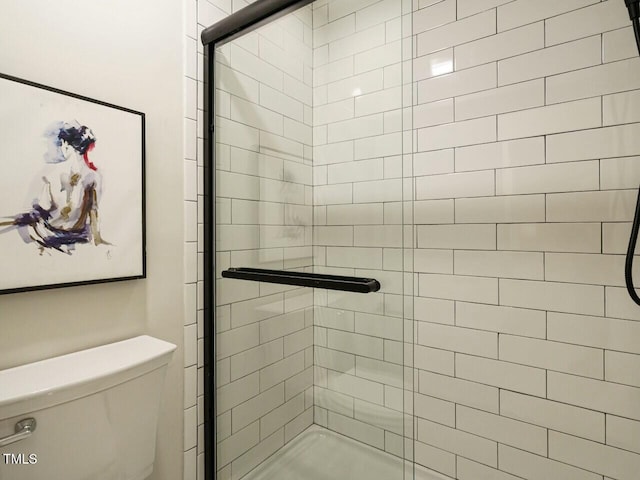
(128, 54)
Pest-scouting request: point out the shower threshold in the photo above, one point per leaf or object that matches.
(320, 454)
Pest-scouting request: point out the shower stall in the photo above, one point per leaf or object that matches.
(415, 220)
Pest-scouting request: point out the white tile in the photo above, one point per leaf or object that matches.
(505, 375)
(433, 261)
(281, 103)
(434, 310)
(232, 447)
(251, 311)
(236, 340)
(378, 236)
(524, 265)
(481, 237)
(623, 433)
(237, 392)
(618, 45)
(520, 208)
(459, 442)
(377, 191)
(517, 321)
(355, 214)
(355, 86)
(334, 235)
(377, 13)
(550, 237)
(613, 205)
(281, 370)
(522, 12)
(433, 64)
(621, 108)
(594, 394)
(254, 67)
(556, 356)
(354, 257)
(381, 101)
(512, 153)
(340, 9)
(562, 177)
(436, 458)
(583, 268)
(465, 340)
(554, 415)
(433, 211)
(379, 146)
(332, 194)
(467, 8)
(382, 56)
(379, 371)
(470, 132)
(535, 467)
(358, 430)
(559, 297)
(331, 72)
(431, 163)
(578, 115)
(433, 360)
(438, 14)
(360, 127)
(459, 391)
(457, 33)
(456, 84)
(503, 45)
(594, 456)
(458, 287)
(434, 409)
(359, 344)
(329, 32)
(433, 113)
(550, 61)
(455, 185)
(254, 456)
(510, 98)
(622, 368)
(615, 237)
(619, 304)
(278, 417)
(469, 470)
(589, 82)
(503, 430)
(333, 153)
(356, 43)
(355, 386)
(608, 142)
(593, 20)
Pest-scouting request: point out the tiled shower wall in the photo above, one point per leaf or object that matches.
(358, 193)
(264, 219)
(528, 347)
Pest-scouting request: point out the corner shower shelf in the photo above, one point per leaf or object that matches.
(302, 279)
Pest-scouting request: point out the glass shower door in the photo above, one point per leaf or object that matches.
(310, 382)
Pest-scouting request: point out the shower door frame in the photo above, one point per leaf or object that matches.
(235, 25)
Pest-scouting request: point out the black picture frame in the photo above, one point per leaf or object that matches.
(72, 189)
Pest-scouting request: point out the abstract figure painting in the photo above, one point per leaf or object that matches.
(71, 189)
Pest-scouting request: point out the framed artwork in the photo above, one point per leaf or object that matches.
(71, 189)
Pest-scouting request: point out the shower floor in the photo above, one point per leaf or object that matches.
(320, 454)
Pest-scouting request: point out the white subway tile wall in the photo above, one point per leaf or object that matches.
(535, 374)
(512, 209)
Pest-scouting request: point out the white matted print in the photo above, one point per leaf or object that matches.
(71, 189)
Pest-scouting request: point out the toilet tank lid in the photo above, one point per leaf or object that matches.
(100, 367)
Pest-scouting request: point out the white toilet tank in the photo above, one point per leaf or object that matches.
(95, 410)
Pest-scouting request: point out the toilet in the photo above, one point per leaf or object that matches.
(88, 415)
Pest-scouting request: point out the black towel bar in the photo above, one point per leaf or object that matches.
(303, 279)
